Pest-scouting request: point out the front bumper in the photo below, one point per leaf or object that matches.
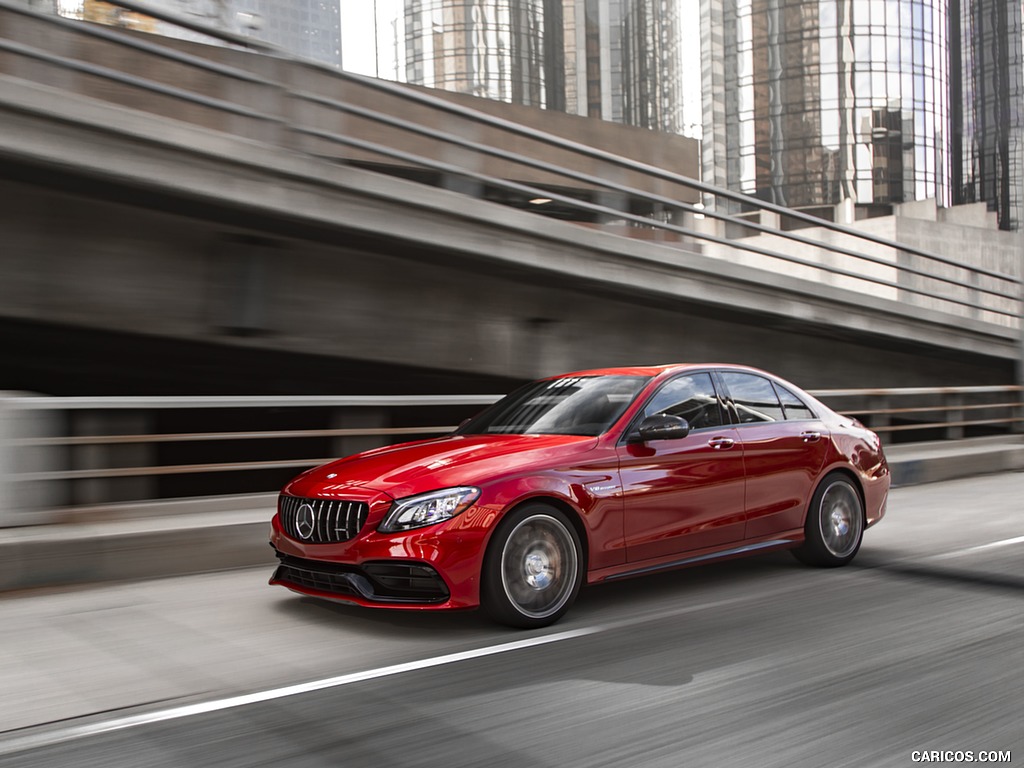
(378, 583)
(433, 568)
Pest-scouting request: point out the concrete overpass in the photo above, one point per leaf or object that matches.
(173, 193)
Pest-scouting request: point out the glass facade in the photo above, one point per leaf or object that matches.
(989, 127)
(307, 28)
(507, 51)
(808, 103)
(613, 59)
(651, 65)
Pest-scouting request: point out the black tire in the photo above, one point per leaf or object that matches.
(533, 569)
(835, 524)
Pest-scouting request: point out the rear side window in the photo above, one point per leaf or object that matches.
(754, 397)
(795, 408)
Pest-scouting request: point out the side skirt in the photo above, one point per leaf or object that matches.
(738, 551)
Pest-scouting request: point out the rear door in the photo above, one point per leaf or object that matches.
(784, 449)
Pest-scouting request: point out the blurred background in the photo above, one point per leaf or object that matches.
(239, 238)
(243, 237)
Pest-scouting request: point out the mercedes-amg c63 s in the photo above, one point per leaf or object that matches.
(579, 479)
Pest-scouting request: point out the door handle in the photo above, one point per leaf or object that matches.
(721, 443)
(811, 437)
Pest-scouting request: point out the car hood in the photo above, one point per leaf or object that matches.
(426, 465)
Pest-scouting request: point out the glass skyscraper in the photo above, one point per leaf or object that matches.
(509, 51)
(617, 60)
(988, 72)
(810, 102)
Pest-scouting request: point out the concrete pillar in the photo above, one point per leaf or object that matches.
(614, 200)
(688, 220)
(770, 219)
(846, 212)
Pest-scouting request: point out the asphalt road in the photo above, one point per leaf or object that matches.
(917, 646)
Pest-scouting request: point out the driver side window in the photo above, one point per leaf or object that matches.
(691, 397)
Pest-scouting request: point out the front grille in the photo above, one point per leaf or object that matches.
(379, 582)
(321, 521)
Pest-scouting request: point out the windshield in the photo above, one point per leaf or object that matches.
(581, 405)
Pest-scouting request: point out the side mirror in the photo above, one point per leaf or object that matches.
(661, 427)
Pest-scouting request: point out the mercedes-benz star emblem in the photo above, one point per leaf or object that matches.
(305, 521)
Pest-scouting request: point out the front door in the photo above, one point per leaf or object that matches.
(683, 494)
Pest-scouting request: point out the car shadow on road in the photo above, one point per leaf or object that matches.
(950, 576)
(601, 602)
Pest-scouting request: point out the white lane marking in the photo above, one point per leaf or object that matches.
(48, 738)
(39, 736)
(978, 548)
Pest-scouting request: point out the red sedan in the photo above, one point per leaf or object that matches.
(584, 478)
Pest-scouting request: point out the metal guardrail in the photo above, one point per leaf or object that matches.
(944, 413)
(58, 454)
(863, 262)
(46, 462)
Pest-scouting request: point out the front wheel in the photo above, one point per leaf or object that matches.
(533, 570)
(835, 524)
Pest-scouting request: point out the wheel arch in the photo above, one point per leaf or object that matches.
(562, 506)
(495, 597)
(815, 550)
(849, 474)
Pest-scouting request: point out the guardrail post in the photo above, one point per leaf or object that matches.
(110, 490)
(22, 501)
(8, 508)
(880, 420)
(954, 414)
(358, 418)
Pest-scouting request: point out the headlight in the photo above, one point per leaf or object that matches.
(428, 509)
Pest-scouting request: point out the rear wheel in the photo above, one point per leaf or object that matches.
(835, 524)
(533, 569)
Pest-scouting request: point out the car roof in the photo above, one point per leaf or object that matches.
(656, 370)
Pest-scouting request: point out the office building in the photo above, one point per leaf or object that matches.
(808, 104)
(617, 60)
(988, 102)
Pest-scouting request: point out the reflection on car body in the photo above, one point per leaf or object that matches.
(579, 479)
